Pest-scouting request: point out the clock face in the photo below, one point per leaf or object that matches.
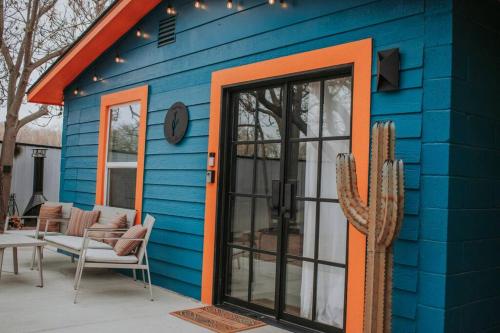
(176, 123)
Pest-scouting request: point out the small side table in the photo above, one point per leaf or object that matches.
(15, 241)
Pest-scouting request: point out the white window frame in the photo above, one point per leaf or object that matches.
(116, 165)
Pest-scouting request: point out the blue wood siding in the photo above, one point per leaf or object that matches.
(215, 38)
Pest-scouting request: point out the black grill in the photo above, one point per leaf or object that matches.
(166, 31)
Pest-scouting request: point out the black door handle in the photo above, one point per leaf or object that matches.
(289, 202)
(275, 199)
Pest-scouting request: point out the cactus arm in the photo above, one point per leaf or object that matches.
(354, 209)
(363, 209)
(401, 194)
(389, 203)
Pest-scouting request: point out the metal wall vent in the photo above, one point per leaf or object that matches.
(166, 31)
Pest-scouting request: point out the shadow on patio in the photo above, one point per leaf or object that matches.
(108, 301)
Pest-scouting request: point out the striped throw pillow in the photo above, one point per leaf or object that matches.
(49, 212)
(125, 245)
(80, 220)
(119, 222)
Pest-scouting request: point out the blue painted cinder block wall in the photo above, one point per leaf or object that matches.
(216, 38)
(473, 284)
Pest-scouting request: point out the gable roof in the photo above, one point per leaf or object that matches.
(106, 30)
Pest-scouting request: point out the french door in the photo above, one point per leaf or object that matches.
(283, 236)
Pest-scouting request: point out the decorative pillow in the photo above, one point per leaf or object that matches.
(98, 235)
(81, 219)
(49, 212)
(125, 246)
(119, 222)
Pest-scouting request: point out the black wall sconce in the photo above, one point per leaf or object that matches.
(388, 70)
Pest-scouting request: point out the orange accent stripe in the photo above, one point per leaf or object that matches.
(358, 53)
(104, 33)
(126, 96)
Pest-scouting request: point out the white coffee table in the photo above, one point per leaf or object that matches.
(15, 241)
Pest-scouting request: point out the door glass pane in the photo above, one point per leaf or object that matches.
(268, 166)
(299, 288)
(303, 167)
(239, 273)
(243, 176)
(305, 110)
(337, 107)
(264, 279)
(266, 228)
(269, 125)
(121, 187)
(245, 128)
(328, 166)
(302, 230)
(123, 133)
(330, 296)
(332, 233)
(240, 225)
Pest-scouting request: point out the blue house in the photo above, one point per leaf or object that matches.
(223, 120)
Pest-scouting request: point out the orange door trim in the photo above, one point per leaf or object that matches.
(358, 53)
(139, 94)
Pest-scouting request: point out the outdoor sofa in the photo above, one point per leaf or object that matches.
(74, 244)
(108, 258)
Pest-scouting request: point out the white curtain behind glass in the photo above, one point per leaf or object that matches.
(331, 280)
(311, 177)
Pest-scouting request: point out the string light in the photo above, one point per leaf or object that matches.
(138, 32)
(95, 78)
(197, 4)
(271, 2)
(118, 59)
(170, 9)
(76, 91)
(283, 4)
(229, 4)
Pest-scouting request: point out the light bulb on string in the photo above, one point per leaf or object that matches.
(170, 9)
(229, 4)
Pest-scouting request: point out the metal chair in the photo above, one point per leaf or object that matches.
(107, 258)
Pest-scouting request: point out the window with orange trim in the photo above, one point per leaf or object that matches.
(122, 136)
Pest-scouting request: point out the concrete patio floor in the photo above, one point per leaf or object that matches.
(108, 302)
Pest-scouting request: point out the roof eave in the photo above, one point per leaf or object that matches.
(107, 29)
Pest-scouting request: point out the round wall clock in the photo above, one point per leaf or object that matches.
(176, 123)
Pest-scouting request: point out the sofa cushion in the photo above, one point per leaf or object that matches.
(30, 232)
(47, 213)
(80, 220)
(75, 243)
(119, 222)
(125, 244)
(100, 255)
(108, 214)
(66, 207)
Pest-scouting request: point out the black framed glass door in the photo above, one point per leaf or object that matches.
(284, 236)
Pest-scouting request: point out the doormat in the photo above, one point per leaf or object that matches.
(218, 320)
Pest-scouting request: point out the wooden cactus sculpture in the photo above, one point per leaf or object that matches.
(380, 220)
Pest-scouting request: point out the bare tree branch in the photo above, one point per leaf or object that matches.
(32, 34)
(44, 110)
